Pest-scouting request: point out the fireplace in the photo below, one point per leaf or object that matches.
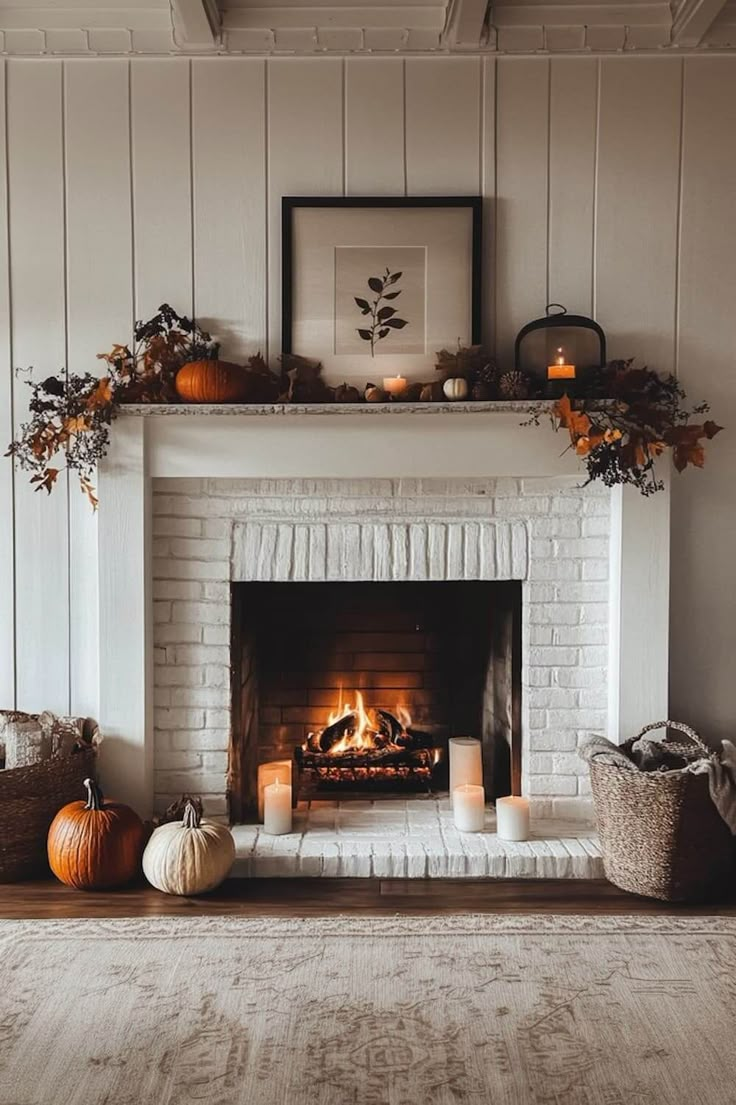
(361, 684)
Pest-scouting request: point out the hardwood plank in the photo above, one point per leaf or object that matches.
(704, 508)
(38, 308)
(46, 898)
(572, 154)
(7, 550)
(637, 209)
(443, 126)
(374, 127)
(99, 307)
(305, 150)
(228, 141)
(521, 204)
(161, 167)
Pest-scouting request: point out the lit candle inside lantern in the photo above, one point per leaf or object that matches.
(469, 808)
(559, 370)
(512, 817)
(395, 385)
(466, 763)
(277, 808)
(269, 773)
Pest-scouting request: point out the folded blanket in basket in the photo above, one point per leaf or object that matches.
(654, 756)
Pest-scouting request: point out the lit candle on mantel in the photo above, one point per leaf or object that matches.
(559, 370)
(469, 808)
(277, 770)
(395, 385)
(277, 808)
(512, 817)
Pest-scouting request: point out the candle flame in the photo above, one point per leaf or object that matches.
(560, 358)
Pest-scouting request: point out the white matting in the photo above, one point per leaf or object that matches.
(414, 838)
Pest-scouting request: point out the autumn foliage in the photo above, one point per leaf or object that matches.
(620, 437)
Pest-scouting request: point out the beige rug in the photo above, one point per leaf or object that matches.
(353, 1011)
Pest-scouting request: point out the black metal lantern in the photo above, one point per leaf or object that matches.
(559, 350)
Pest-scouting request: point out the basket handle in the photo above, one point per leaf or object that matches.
(682, 728)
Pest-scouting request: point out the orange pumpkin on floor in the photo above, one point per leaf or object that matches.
(95, 845)
(212, 382)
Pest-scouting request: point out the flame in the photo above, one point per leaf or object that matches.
(363, 735)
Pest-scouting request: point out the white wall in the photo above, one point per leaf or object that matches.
(609, 186)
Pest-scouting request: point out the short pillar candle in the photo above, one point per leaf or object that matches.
(469, 808)
(466, 762)
(269, 773)
(512, 817)
(277, 808)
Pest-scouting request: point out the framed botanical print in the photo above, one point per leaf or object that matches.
(377, 286)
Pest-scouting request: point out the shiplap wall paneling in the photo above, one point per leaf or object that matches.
(7, 556)
(572, 161)
(229, 176)
(488, 192)
(522, 135)
(637, 207)
(38, 309)
(305, 150)
(704, 503)
(99, 307)
(161, 181)
(374, 127)
(443, 126)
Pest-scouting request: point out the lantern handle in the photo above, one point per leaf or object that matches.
(549, 312)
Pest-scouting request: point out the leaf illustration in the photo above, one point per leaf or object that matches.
(383, 333)
(394, 277)
(364, 305)
(381, 320)
(385, 312)
(396, 323)
(392, 295)
(375, 284)
(365, 335)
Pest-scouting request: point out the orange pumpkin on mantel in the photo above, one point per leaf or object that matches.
(212, 382)
(95, 845)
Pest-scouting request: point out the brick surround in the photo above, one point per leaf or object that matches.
(550, 533)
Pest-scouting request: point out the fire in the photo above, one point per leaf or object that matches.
(365, 729)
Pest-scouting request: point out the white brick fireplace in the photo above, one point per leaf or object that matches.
(192, 501)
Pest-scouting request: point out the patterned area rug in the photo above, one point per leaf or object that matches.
(505, 1010)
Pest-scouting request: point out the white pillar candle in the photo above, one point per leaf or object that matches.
(512, 818)
(269, 773)
(277, 808)
(466, 762)
(469, 808)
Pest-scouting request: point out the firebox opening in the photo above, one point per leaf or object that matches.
(362, 684)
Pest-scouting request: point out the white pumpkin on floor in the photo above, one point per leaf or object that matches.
(190, 856)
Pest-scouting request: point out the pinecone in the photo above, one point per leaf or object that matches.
(513, 385)
(487, 374)
(481, 392)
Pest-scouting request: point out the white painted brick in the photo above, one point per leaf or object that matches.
(538, 634)
(207, 613)
(167, 759)
(552, 697)
(164, 634)
(558, 785)
(593, 656)
(249, 41)
(176, 527)
(298, 40)
(109, 40)
(177, 589)
(566, 526)
(559, 39)
(594, 698)
(581, 547)
(605, 38)
(388, 38)
(160, 548)
(584, 719)
(597, 526)
(19, 41)
(582, 677)
(562, 613)
(202, 548)
(217, 592)
(214, 740)
(215, 761)
(342, 39)
(188, 569)
(553, 657)
(217, 719)
(66, 40)
(198, 780)
(178, 676)
(216, 634)
(203, 654)
(538, 719)
(161, 612)
(217, 527)
(200, 696)
(552, 740)
(179, 719)
(217, 675)
(556, 763)
(559, 569)
(580, 634)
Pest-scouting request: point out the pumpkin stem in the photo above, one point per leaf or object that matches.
(95, 799)
(191, 816)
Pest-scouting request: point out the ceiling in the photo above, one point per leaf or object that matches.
(282, 27)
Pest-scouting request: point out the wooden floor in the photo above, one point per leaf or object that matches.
(322, 897)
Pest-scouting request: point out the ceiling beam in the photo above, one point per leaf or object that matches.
(195, 22)
(465, 22)
(693, 19)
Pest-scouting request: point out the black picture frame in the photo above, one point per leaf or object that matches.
(291, 203)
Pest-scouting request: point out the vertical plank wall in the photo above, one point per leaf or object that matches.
(608, 186)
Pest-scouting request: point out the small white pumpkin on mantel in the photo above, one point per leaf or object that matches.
(190, 856)
(455, 388)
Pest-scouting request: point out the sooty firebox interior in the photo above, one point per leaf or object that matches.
(361, 684)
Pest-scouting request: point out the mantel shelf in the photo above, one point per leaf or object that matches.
(265, 410)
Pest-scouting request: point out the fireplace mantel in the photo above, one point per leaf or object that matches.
(453, 441)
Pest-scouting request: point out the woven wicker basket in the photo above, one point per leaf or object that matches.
(30, 797)
(661, 835)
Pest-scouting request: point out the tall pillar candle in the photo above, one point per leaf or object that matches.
(512, 817)
(277, 808)
(466, 762)
(469, 808)
(269, 773)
